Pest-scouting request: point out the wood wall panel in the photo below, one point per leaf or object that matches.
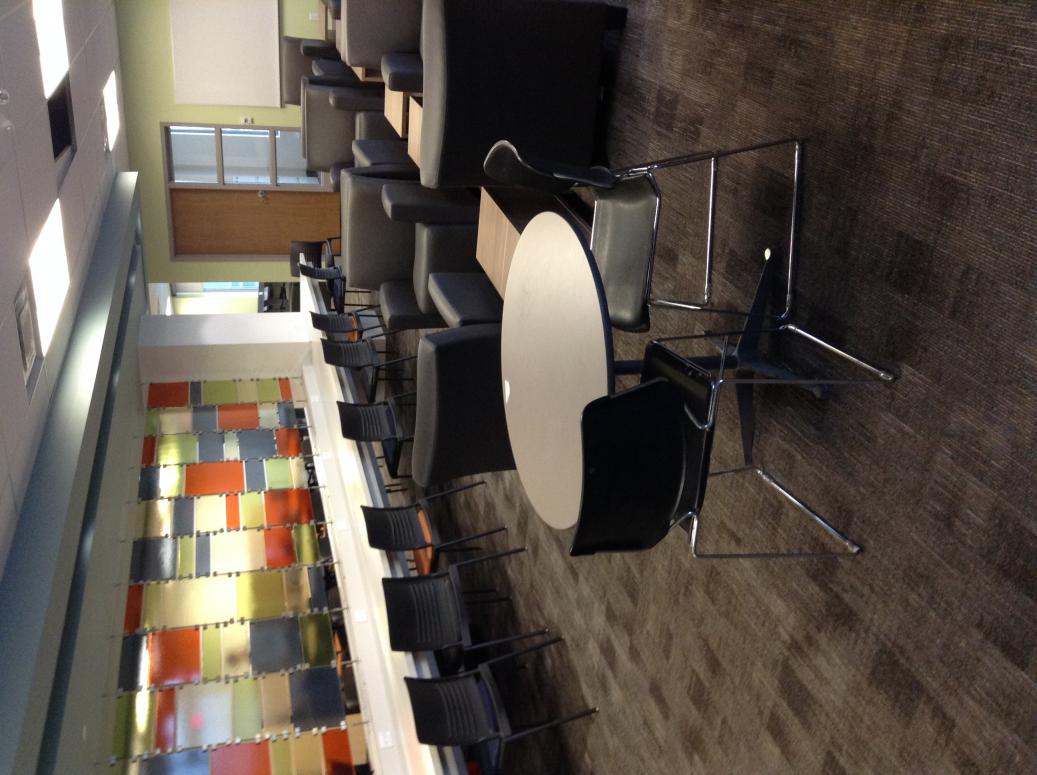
(222, 222)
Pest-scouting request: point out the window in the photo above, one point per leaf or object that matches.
(234, 156)
(62, 124)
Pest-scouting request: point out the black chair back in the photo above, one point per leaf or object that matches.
(395, 529)
(310, 250)
(451, 711)
(424, 613)
(634, 455)
(350, 355)
(367, 422)
(334, 323)
(320, 272)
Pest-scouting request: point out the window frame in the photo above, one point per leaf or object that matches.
(325, 183)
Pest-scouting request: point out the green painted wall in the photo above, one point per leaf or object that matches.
(145, 52)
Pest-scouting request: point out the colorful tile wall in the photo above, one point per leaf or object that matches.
(227, 631)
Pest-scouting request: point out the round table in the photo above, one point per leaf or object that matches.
(556, 357)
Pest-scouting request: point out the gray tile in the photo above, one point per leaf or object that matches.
(204, 419)
(183, 516)
(210, 447)
(255, 476)
(256, 444)
(275, 645)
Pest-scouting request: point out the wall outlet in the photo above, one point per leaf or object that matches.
(247, 120)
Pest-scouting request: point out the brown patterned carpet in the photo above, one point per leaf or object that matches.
(918, 252)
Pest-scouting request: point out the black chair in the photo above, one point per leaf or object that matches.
(466, 709)
(627, 204)
(428, 613)
(413, 527)
(360, 357)
(377, 422)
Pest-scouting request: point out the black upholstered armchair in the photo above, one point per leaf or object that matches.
(372, 28)
(527, 70)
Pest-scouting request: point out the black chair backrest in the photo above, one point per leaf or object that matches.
(310, 250)
(634, 450)
(320, 272)
(506, 165)
(349, 355)
(696, 387)
(366, 422)
(395, 529)
(451, 711)
(424, 612)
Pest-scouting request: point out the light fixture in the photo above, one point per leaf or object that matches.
(111, 109)
(50, 35)
(48, 264)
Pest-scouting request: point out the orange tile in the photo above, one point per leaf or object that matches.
(234, 417)
(286, 389)
(233, 513)
(147, 454)
(288, 507)
(175, 657)
(134, 604)
(280, 548)
(165, 720)
(163, 394)
(214, 478)
(253, 758)
(338, 756)
(289, 442)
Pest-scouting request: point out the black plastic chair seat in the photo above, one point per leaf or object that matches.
(465, 298)
(424, 613)
(330, 67)
(318, 49)
(397, 529)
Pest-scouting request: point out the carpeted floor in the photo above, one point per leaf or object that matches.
(918, 252)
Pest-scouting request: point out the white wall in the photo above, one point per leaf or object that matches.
(28, 190)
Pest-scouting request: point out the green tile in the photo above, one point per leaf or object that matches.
(278, 474)
(151, 607)
(252, 510)
(212, 655)
(306, 551)
(318, 647)
(269, 390)
(220, 391)
(176, 448)
(247, 709)
(281, 757)
(152, 424)
(185, 556)
(121, 732)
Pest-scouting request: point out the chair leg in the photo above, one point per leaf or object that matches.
(874, 371)
(849, 547)
(510, 639)
(551, 724)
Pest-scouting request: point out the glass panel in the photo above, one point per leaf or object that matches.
(210, 513)
(236, 649)
(193, 154)
(177, 448)
(291, 166)
(204, 715)
(276, 703)
(246, 156)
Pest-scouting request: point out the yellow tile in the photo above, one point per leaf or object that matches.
(308, 754)
(219, 391)
(297, 590)
(300, 476)
(268, 390)
(198, 601)
(260, 595)
(152, 614)
(277, 704)
(237, 551)
(246, 709)
(142, 723)
(171, 481)
(212, 656)
(357, 740)
(280, 757)
(210, 513)
(175, 420)
(253, 512)
(185, 556)
(248, 391)
(235, 644)
(121, 730)
(155, 518)
(305, 539)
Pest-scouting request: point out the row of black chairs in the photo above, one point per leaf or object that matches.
(431, 612)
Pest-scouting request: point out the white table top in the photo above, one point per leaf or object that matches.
(556, 357)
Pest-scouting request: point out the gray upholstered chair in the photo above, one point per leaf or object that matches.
(459, 426)
(526, 70)
(627, 204)
(328, 130)
(299, 58)
(373, 28)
